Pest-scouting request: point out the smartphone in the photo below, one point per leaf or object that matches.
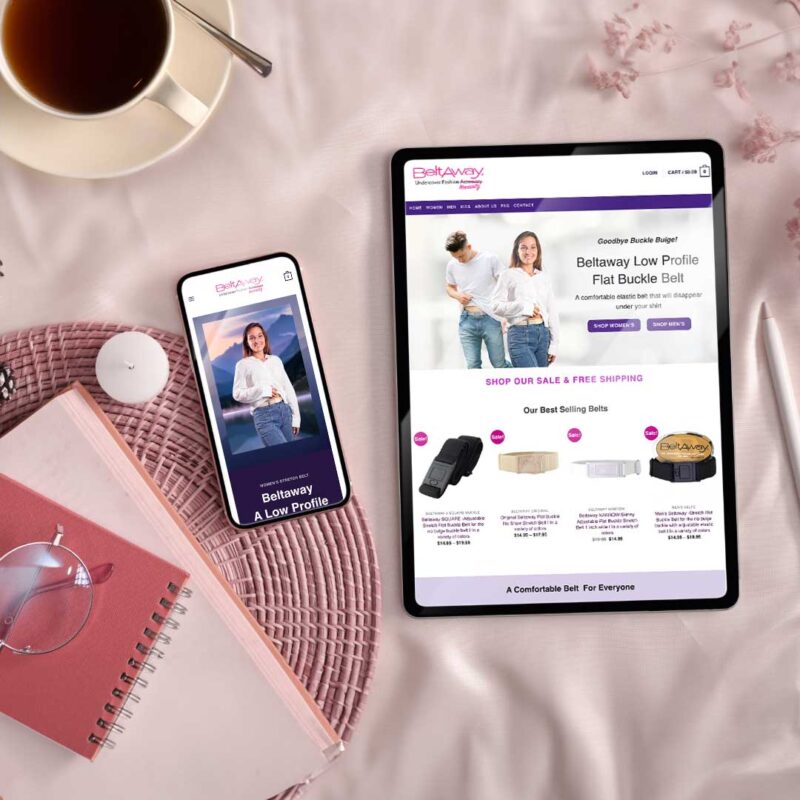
(263, 391)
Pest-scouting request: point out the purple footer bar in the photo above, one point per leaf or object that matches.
(582, 588)
(528, 204)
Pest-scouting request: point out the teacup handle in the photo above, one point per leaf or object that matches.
(172, 95)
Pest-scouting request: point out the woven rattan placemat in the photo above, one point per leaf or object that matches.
(313, 583)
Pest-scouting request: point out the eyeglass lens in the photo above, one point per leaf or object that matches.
(45, 597)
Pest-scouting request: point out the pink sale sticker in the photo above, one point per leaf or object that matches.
(498, 437)
(421, 438)
(574, 434)
(651, 432)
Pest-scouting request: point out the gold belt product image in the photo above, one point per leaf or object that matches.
(608, 468)
(684, 458)
(532, 462)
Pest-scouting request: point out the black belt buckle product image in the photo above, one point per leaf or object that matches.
(456, 459)
(686, 472)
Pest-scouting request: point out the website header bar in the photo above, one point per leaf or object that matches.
(629, 174)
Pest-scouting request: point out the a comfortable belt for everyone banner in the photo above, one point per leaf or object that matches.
(533, 462)
(683, 458)
(609, 468)
(456, 459)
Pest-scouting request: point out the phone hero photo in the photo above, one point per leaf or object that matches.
(263, 390)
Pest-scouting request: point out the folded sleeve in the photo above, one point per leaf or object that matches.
(503, 306)
(498, 268)
(243, 393)
(288, 393)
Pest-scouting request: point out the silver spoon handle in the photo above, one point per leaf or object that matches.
(260, 64)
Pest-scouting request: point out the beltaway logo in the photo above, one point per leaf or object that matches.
(464, 177)
(249, 285)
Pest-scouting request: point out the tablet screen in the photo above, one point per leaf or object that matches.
(566, 436)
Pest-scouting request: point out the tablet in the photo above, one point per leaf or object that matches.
(564, 382)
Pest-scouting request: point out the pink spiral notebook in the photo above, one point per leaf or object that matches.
(72, 694)
(223, 715)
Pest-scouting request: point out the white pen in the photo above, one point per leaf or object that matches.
(784, 392)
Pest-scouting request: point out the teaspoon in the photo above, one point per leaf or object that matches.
(260, 64)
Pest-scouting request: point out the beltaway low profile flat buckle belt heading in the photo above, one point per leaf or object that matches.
(457, 458)
(609, 468)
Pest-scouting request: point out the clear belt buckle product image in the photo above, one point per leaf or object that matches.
(608, 468)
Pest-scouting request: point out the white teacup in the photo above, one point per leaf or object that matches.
(161, 88)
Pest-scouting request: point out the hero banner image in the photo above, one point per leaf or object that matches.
(263, 391)
(562, 311)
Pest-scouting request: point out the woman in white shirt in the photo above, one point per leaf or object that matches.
(261, 381)
(524, 298)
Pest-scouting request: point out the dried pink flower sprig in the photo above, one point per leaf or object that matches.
(727, 78)
(788, 67)
(620, 79)
(624, 44)
(762, 139)
(621, 42)
(793, 228)
(732, 39)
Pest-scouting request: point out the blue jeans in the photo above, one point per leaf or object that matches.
(473, 329)
(528, 344)
(273, 423)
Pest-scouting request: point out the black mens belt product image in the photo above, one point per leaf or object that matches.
(683, 458)
(456, 459)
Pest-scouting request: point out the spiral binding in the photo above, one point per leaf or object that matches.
(138, 663)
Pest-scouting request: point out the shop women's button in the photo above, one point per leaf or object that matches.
(613, 325)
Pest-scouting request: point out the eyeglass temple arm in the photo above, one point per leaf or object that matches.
(99, 574)
(8, 623)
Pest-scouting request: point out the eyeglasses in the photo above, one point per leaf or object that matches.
(46, 594)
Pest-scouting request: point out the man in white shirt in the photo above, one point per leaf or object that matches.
(471, 278)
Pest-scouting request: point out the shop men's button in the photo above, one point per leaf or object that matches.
(669, 324)
(613, 325)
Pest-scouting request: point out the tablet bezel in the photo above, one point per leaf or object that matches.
(715, 153)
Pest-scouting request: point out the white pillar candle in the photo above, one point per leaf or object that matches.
(132, 367)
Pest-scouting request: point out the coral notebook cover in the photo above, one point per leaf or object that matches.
(69, 694)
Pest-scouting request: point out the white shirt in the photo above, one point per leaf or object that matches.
(517, 294)
(254, 379)
(477, 278)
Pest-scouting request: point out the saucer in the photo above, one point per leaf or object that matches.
(133, 139)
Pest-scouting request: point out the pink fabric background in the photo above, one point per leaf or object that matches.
(670, 706)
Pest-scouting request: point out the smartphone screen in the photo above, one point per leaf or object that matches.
(263, 391)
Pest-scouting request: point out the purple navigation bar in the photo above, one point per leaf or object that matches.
(529, 204)
(579, 588)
